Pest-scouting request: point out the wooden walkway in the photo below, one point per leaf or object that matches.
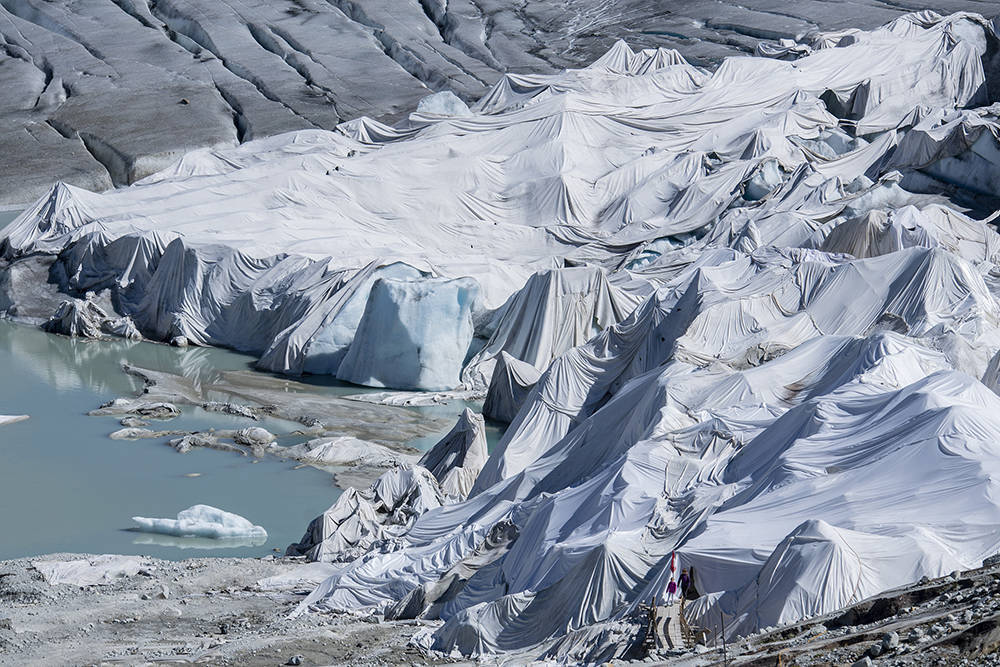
(667, 628)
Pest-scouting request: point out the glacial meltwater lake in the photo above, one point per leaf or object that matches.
(65, 486)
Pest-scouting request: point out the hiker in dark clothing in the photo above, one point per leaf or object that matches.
(685, 582)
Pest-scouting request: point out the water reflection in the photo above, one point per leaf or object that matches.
(75, 363)
(197, 542)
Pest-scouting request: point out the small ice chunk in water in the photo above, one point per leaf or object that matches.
(10, 419)
(202, 521)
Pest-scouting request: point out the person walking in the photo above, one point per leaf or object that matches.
(671, 591)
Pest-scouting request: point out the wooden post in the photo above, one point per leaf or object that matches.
(725, 656)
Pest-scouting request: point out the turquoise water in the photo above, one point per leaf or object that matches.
(66, 486)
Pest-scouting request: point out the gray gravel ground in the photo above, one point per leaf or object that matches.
(214, 613)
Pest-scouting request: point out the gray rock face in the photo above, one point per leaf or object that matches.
(101, 93)
(25, 290)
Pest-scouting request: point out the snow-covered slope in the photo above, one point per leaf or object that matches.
(747, 317)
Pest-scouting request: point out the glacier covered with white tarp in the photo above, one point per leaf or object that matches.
(746, 317)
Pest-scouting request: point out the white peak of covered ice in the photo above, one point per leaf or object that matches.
(455, 461)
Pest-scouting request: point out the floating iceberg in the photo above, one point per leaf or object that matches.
(203, 521)
(11, 419)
